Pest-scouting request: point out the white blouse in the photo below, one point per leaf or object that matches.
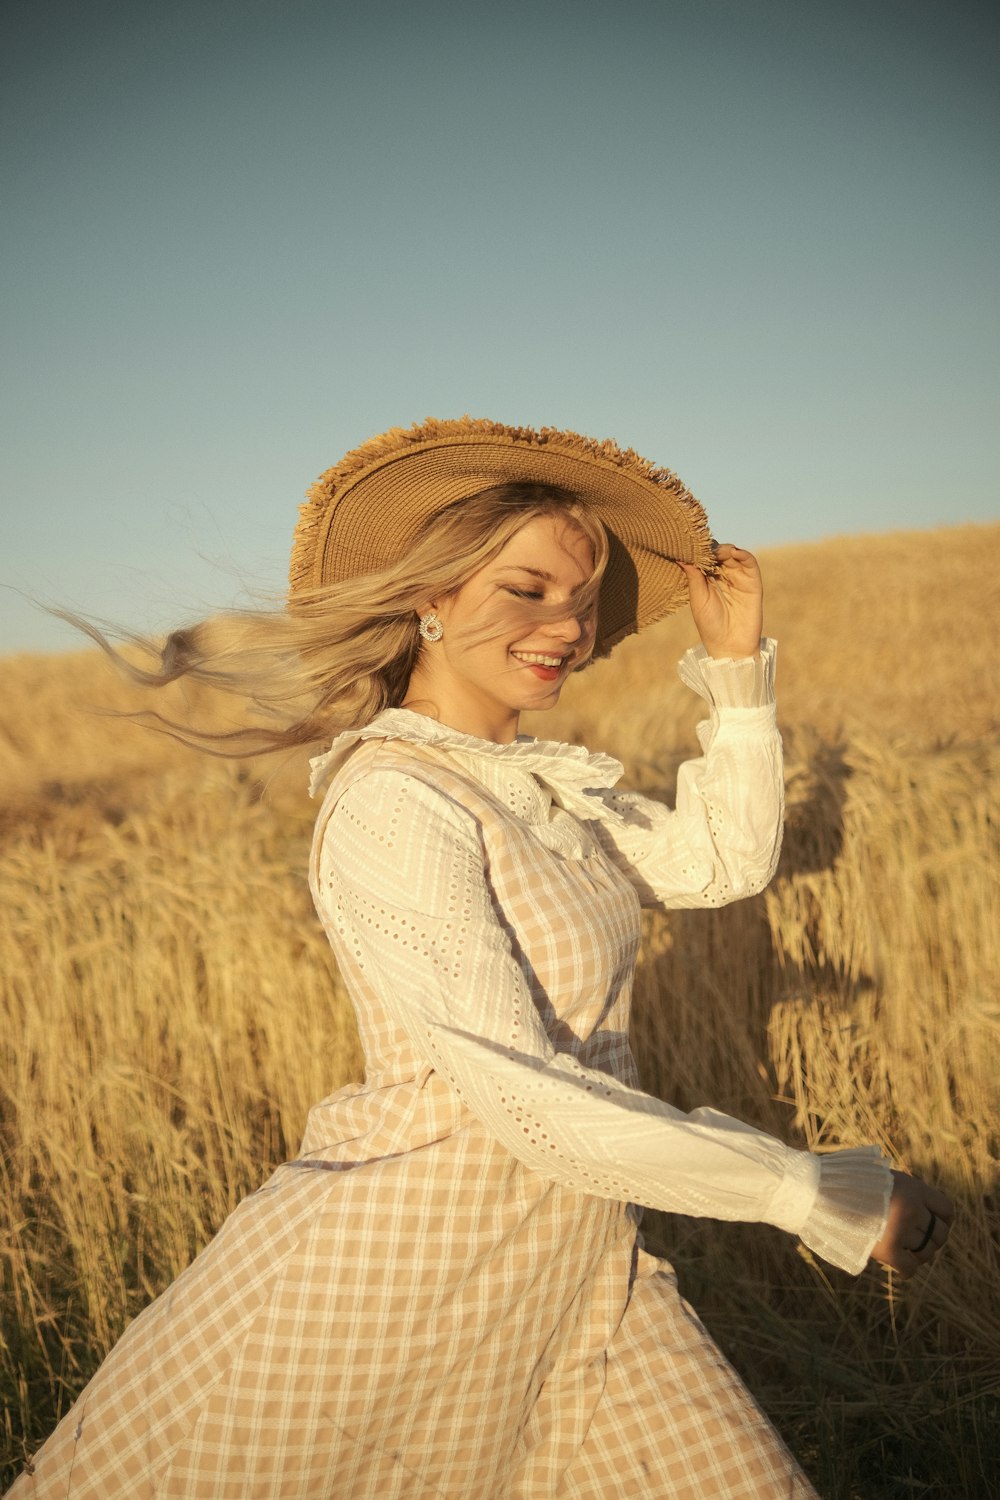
(466, 1005)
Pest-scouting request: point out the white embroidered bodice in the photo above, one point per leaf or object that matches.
(418, 884)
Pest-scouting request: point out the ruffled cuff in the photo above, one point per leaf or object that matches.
(849, 1213)
(728, 682)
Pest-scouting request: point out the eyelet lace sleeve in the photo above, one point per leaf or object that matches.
(721, 840)
(399, 882)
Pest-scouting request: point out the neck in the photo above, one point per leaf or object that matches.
(469, 715)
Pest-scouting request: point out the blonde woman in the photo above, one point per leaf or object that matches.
(445, 1293)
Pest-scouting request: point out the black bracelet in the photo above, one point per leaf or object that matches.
(926, 1239)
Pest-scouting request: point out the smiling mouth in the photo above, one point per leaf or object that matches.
(538, 659)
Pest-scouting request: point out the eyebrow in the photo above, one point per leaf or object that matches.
(535, 572)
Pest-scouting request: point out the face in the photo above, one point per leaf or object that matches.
(493, 662)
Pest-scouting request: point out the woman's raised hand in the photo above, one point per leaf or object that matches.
(919, 1220)
(728, 608)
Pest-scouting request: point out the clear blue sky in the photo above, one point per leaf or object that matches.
(756, 240)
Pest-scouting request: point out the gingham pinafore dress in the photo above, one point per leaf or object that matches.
(412, 1308)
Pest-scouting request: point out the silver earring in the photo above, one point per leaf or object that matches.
(431, 628)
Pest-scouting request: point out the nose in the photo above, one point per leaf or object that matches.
(569, 629)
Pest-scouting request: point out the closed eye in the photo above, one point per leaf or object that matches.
(523, 593)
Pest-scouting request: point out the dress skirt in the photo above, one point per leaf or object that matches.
(302, 1356)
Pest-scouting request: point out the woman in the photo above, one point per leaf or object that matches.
(445, 1293)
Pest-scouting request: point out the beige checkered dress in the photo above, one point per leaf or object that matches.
(444, 1294)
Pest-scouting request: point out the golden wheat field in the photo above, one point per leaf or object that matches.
(169, 1009)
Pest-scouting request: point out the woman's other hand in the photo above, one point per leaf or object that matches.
(728, 608)
(919, 1220)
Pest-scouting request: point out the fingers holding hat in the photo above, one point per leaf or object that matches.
(917, 1226)
(728, 604)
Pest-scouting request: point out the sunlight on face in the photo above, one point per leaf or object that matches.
(495, 660)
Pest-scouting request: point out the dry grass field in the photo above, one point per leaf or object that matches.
(168, 1007)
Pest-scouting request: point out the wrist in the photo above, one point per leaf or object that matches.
(732, 650)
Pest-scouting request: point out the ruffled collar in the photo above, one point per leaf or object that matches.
(575, 777)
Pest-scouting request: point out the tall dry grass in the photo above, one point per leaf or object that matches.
(168, 1008)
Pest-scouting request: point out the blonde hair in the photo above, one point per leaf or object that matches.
(337, 655)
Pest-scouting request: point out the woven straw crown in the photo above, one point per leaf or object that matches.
(361, 515)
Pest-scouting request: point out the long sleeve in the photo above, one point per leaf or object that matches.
(400, 878)
(721, 840)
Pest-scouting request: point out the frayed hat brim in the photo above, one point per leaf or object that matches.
(361, 514)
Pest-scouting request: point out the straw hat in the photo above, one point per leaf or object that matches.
(361, 515)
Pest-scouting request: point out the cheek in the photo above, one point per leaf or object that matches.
(589, 639)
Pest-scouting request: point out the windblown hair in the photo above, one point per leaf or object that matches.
(336, 655)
